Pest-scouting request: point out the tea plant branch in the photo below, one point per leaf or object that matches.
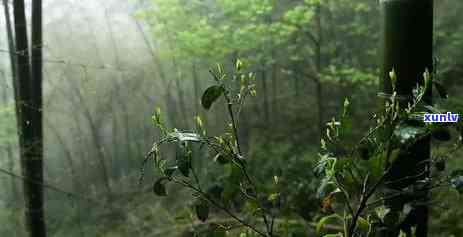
(409, 177)
(53, 188)
(233, 121)
(345, 194)
(366, 194)
(367, 136)
(256, 198)
(217, 205)
(195, 176)
(243, 168)
(400, 193)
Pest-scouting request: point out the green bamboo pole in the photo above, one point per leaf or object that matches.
(407, 41)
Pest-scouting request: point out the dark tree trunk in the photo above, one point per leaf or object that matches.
(30, 114)
(11, 46)
(13, 58)
(407, 48)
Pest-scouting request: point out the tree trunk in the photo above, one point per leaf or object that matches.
(30, 114)
(407, 48)
(196, 88)
(160, 70)
(115, 141)
(95, 135)
(265, 95)
(13, 58)
(67, 154)
(113, 40)
(274, 76)
(318, 65)
(181, 97)
(8, 146)
(11, 47)
(11, 164)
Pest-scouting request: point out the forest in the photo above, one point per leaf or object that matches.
(231, 118)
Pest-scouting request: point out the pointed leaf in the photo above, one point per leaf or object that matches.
(169, 171)
(221, 159)
(202, 210)
(325, 220)
(211, 95)
(186, 136)
(183, 159)
(159, 188)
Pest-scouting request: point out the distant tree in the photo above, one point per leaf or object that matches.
(29, 81)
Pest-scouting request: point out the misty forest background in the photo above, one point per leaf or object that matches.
(109, 64)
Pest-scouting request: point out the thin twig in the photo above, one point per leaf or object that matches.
(363, 201)
(213, 202)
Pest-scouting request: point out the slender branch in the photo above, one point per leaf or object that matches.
(243, 169)
(345, 194)
(364, 199)
(49, 186)
(213, 202)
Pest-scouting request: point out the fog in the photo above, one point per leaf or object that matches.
(108, 66)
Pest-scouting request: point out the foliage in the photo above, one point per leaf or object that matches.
(352, 173)
(359, 176)
(225, 151)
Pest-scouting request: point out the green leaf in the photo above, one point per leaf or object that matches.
(251, 207)
(273, 196)
(211, 95)
(427, 79)
(216, 232)
(159, 188)
(325, 220)
(169, 171)
(183, 159)
(238, 65)
(345, 106)
(362, 223)
(395, 153)
(202, 210)
(215, 191)
(441, 90)
(157, 119)
(393, 78)
(221, 159)
(326, 186)
(186, 136)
